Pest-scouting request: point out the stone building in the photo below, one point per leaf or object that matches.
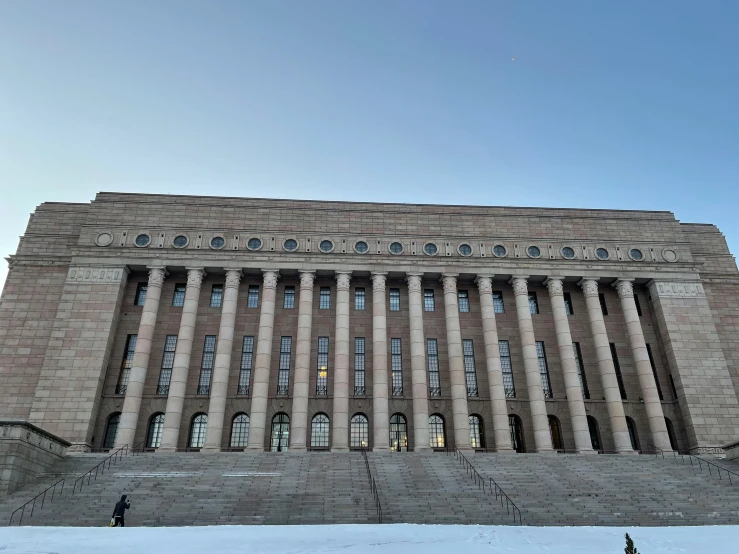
(236, 323)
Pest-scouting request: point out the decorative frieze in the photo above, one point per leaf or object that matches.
(103, 275)
(676, 289)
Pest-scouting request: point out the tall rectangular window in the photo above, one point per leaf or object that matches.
(247, 352)
(463, 298)
(289, 301)
(505, 363)
(603, 306)
(359, 366)
(568, 304)
(617, 367)
(179, 295)
(432, 359)
(397, 366)
(206, 368)
(165, 374)
(252, 298)
(322, 376)
(394, 300)
(580, 370)
(498, 306)
(638, 306)
(324, 300)
(283, 376)
(359, 298)
(140, 297)
(654, 372)
(546, 384)
(533, 303)
(469, 367)
(126, 364)
(429, 305)
(216, 296)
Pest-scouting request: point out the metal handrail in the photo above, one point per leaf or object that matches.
(22, 509)
(493, 487)
(373, 486)
(701, 461)
(113, 458)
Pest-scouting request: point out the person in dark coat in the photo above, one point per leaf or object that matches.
(120, 509)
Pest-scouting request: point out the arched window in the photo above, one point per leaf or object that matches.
(632, 433)
(477, 432)
(436, 431)
(556, 432)
(280, 433)
(516, 427)
(319, 431)
(240, 431)
(197, 431)
(398, 433)
(671, 434)
(359, 431)
(111, 430)
(594, 433)
(154, 434)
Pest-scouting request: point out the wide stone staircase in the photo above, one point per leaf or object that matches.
(611, 490)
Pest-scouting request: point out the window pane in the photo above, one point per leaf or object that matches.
(216, 296)
(469, 367)
(359, 298)
(165, 375)
(140, 294)
(359, 366)
(505, 364)
(603, 306)
(568, 304)
(252, 299)
(240, 431)
(543, 370)
(322, 376)
(397, 367)
(617, 367)
(247, 351)
(126, 364)
(283, 376)
(324, 302)
(477, 439)
(394, 300)
(436, 431)
(197, 431)
(533, 303)
(498, 302)
(580, 370)
(289, 301)
(432, 359)
(154, 434)
(319, 431)
(206, 368)
(359, 432)
(428, 300)
(464, 300)
(654, 372)
(179, 295)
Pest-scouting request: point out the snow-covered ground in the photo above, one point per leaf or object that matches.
(365, 539)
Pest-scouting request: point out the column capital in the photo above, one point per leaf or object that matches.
(554, 285)
(195, 276)
(449, 280)
(270, 278)
(378, 281)
(156, 276)
(233, 277)
(307, 278)
(342, 280)
(625, 287)
(589, 286)
(520, 284)
(484, 284)
(414, 281)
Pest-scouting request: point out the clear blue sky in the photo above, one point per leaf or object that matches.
(630, 104)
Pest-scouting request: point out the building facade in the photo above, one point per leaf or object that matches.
(212, 324)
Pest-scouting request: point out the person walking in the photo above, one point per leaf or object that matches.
(118, 512)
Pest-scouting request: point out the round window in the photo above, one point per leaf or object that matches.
(636, 254)
(465, 249)
(217, 242)
(326, 246)
(290, 245)
(396, 248)
(499, 251)
(430, 249)
(602, 253)
(568, 252)
(143, 240)
(361, 247)
(533, 251)
(180, 241)
(254, 244)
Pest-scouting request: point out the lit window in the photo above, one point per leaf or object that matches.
(477, 433)
(252, 298)
(432, 360)
(436, 431)
(546, 384)
(464, 300)
(165, 374)
(359, 432)
(206, 368)
(324, 300)
(216, 296)
(319, 431)
(289, 300)
(469, 367)
(322, 371)
(178, 299)
(394, 300)
(359, 298)
(428, 300)
(247, 351)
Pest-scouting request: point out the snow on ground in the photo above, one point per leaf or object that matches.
(365, 539)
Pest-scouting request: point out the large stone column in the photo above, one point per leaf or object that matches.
(649, 393)
(301, 385)
(380, 407)
(460, 413)
(495, 371)
(537, 406)
(569, 368)
(181, 364)
(606, 368)
(340, 423)
(262, 364)
(418, 365)
(222, 362)
(137, 377)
